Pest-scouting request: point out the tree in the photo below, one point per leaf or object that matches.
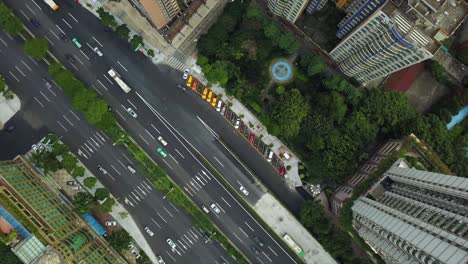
(7, 255)
(280, 89)
(462, 53)
(9, 22)
(437, 70)
(106, 18)
(36, 48)
(60, 149)
(218, 72)
(150, 53)
(332, 105)
(360, 129)
(78, 172)
(119, 240)
(136, 41)
(69, 162)
(46, 161)
(291, 109)
(101, 194)
(313, 218)
(90, 182)
(83, 202)
(107, 205)
(122, 31)
(313, 64)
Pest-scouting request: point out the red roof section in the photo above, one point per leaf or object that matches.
(401, 80)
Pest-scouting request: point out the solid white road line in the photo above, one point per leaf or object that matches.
(179, 153)
(191, 189)
(98, 42)
(144, 139)
(68, 120)
(74, 115)
(22, 73)
(48, 39)
(155, 129)
(84, 54)
(175, 208)
(149, 134)
(169, 213)
(25, 65)
(4, 43)
(187, 239)
(121, 163)
(225, 201)
(107, 78)
(43, 95)
(98, 91)
(174, 158)
(239, 238)
(156, 223)
(87, 44)
(112, 166)
(102, 84)
(122, 66)
(162, 218)
(53, 33)
(73, 65)
(60, 29)
(9, 36)
(21, 11)
(185, 188)
(130, 102)
(261, 262)
(129, 160)
(32, 11)
(170, 256)
(272, 251)
(64, 21)
(168, 164)
(218, 161)
(33, 61)
(267, 256)
(73, 17)
(39, 102)
(37, 5)
(62, 126)
(249, 226)
(78, 59)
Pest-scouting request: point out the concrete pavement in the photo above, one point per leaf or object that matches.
(8, 108)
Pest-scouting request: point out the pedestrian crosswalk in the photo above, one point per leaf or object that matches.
(92, 144)
(175, 63)
(197, 183)
(138, 194)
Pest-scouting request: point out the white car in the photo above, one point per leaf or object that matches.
(131, 169)
(136, 254)
(160, 260)
(186, 74)
(101, 169)
(148, 231)
(215, 208)
(110, 223)
(243, 190)
(131, 112)
(98, 52)
(34, 147)
(236, 126)
(171, 243)
(163, 142)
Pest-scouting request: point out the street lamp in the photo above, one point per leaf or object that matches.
(164, 197)
(118, 140)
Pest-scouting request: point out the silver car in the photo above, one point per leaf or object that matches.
(131, 112)
(171, 243)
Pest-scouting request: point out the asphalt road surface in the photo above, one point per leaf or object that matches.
(182, 119)
(48, 110)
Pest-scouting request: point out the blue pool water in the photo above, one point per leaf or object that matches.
(458, 118)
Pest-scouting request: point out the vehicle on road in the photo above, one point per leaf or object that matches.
(270, 156)
(78, 188)
(148, 231)
(189, 81)
(205, 209)
(255, 250)
(118, 80)
(98, 52)
(205, 93)
(70, 58)
(136, 254)
(163, 142)
(259, 241)
(75, 41)
(180, 86)
(219, 105)
(215, 208)
(237, 124)
(186, 74)
(10, 128)
(171, 243)
(160, 260)
(162, 152)
(52, 4)
(214, 101)
(243, 190)
(47, 83)
(101, 169)
(110, 223)
(131, 169)
(71, 183)
(35, 23)
(131, 112)
(63, 37)
(210, 95)
(194, 84)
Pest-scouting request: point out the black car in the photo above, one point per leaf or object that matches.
(35, 22)
(180, 86)
(10, 128)
(259, 241)
(255, 250)
(70, 58)
(63, 37)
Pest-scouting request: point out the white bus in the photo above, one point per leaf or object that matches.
(119, 81)
(52, 4)
(293, 245)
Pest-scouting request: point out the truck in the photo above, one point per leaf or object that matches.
(118, 80)
(52, 4)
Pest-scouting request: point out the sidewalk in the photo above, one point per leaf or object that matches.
(8, 109)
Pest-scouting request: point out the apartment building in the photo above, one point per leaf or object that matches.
(315, 5)
(288, 9)
(380, 37)
(159, 12)
(414, 216)
(30, 197)
(345, 191)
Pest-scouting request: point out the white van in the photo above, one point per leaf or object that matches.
(219, 105)
(205, 209)
(270, 156)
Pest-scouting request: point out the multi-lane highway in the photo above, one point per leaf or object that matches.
(182, 120)
(147, 205)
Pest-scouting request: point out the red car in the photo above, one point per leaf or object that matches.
(282, 171)
(252, 138)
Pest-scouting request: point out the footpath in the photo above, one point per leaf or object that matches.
(8, 108)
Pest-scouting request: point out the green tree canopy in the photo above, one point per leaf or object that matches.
(36, 48)
(83, 202)
(9, 22)
(119, 240)
(136, 41)
(90, 182)
(122, 31)
(101, 194)
(313, 217)
(78, 172)
(69, 162)
(290, 111)
(108, 204)
(106, 18)
(331, 105)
